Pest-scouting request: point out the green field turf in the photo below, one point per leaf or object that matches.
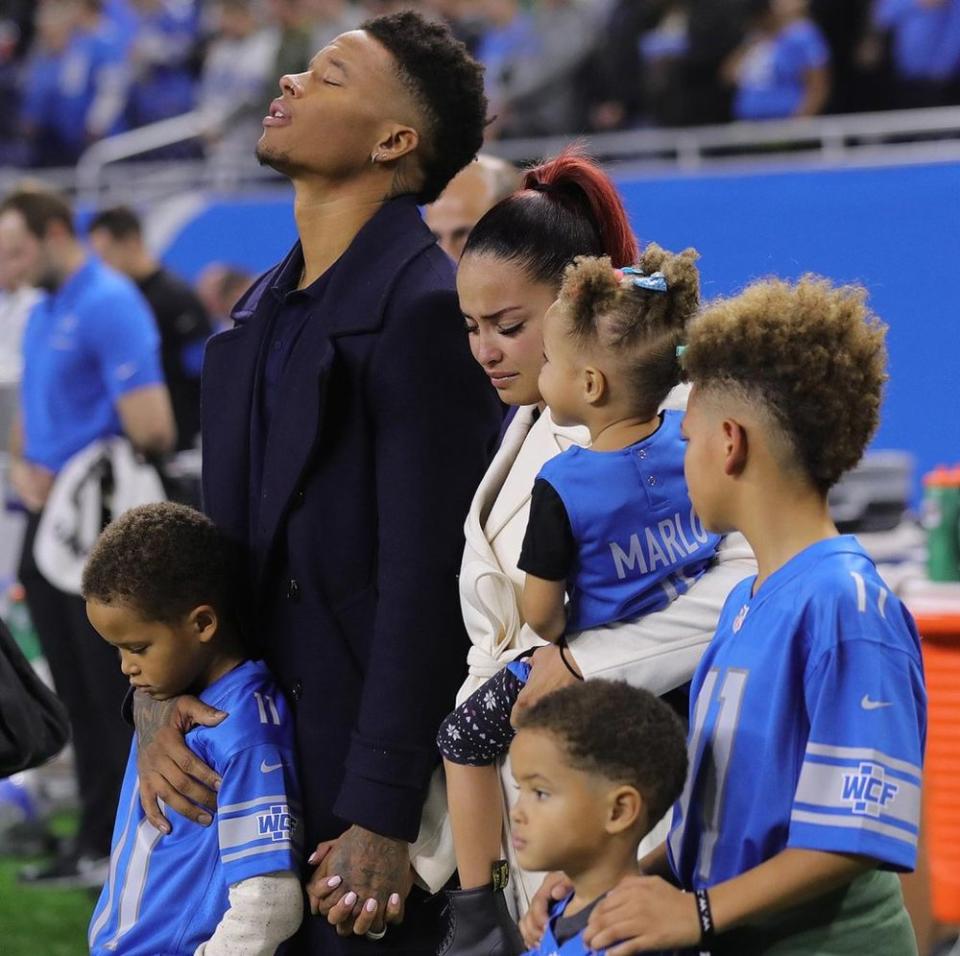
(35, 921)
(43, 922)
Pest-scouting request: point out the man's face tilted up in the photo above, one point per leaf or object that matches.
(330, 119)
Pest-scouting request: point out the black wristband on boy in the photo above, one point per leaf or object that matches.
(704, 915)
(562, 646)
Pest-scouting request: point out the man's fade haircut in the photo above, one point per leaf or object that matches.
(811, 354)
(163, 560)
(120, 221)
(446, 83)
(622, 733)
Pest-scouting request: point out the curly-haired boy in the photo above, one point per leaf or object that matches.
(808, 711)
(159, 587)
(597, 765)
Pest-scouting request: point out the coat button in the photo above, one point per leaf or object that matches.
(296, 692)
(293, 590)
(297, 499)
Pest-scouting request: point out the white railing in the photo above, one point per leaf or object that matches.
(160, 177)
(836, 139)
(136, 142)
(102, 174)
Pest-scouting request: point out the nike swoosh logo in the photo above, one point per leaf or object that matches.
(267, 767)
(868, 704)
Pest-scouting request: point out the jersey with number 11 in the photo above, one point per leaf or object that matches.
(807, 723)
(167, 894)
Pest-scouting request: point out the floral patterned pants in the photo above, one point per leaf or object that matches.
(479, 730)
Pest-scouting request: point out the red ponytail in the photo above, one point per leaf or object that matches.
(572, 173)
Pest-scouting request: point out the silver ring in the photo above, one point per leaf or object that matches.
(376, 937)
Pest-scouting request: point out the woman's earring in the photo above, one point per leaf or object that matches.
(375, 157)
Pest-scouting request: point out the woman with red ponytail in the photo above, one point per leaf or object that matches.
(582, 186)
(508, 276)
(514, 258)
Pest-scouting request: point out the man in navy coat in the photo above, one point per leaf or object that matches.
(345, 428)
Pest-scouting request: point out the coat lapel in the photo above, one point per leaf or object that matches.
(498, 471)
(543, 440)
(353, 303)
(292, 436)
(227, 392)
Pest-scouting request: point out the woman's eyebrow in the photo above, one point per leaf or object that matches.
(490, 317)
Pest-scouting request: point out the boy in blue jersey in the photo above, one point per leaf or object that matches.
(808, 710)
(611, 525)
(597, 765)
(158, 587)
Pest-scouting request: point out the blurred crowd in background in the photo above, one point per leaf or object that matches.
(75, 71)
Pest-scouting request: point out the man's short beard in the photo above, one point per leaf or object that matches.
(278, 161)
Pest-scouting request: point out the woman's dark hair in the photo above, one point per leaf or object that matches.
(567, 207)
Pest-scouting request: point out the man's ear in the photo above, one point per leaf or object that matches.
(594, 384)
(736, 447)
(398, 141)
(624, 808)
(204, 622)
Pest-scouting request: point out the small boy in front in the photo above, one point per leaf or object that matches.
(808, 710)
(158, 586)
(597, 765)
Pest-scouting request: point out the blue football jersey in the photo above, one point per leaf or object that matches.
(807, 723)
(549, 946)
(575, 946)
(166, 894)
(639, 542)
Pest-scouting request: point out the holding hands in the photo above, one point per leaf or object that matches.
(361, 882)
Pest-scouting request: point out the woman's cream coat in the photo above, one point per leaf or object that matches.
(658, 651)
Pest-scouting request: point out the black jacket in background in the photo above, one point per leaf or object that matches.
(184, 327)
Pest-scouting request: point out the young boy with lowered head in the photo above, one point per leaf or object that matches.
(159, 587)
(597, 765)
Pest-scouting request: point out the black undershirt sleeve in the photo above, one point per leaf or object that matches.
(549, 548)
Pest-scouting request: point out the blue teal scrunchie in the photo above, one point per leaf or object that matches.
(655, 282)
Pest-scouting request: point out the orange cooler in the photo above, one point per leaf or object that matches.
(937, 613)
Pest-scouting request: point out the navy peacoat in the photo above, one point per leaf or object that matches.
(382, 428)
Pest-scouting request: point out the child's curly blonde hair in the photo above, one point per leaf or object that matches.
(640, 327)
(812, 353)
